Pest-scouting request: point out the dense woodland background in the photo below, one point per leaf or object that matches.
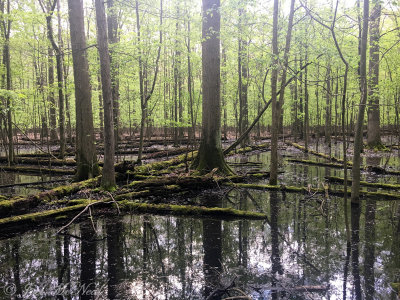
(156, 74)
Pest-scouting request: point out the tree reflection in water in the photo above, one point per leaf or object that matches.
(165, 257)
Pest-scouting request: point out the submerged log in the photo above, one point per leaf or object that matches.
(37, 170)
(310, 190)
(365, 183)
(326, 156)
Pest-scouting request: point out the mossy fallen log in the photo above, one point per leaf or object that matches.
(189, 210)
(365, 183)
(19, 204)
(318, 163)
(130, 207)
(306, 190)
(38, 217)
(37, 170)
(323, 155)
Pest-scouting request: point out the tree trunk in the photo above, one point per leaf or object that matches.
(273, 178)
(243, 80)
(87, 166)
(60, 79)
(358, 139)
(50, 97)
(8, 123)
(328, 117)
(113, 38)
(374, 136)
(210, 154)
(108, 176)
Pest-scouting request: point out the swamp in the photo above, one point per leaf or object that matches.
(199, 149)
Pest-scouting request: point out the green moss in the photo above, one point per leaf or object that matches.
(395, 286)
(189, 210)
(7, 203)
(39, 216)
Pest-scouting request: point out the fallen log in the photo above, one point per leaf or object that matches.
(310, 190)
(37, 170)
(326, 156)
(18, 204)
(365, 183)
(318, 163)
(32, 183)
(374, 169)
(131, 207)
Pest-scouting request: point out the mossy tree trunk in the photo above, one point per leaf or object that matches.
(87, 166)
(108, 176)
(210, 154)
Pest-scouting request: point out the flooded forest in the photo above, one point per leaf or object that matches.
(199, 149)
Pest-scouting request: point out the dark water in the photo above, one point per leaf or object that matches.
(302, 245)
(7, 179)
(306, 249)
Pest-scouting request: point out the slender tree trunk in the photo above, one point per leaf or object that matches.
(87, 166)
(273, 177)
(146, 94)
(50, 97)
(373, 128)
(285, 66)
(358, 139)
(108, 176)
(101, 115)
(328, 117)
(8, 122)
(60, 79)
(113, 38)
(243, 80)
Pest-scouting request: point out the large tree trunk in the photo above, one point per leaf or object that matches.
(374, 136)
(273, 178)
(87, 166)
(210, 152)
(108, 176)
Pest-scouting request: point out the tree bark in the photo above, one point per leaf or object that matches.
(87, 166)
(273, 178)
(373, 128)
(210, 154)
(243, 76)
(60, 79)
(6, 28)
(113, 38)
(108, 176)
(358, 139)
